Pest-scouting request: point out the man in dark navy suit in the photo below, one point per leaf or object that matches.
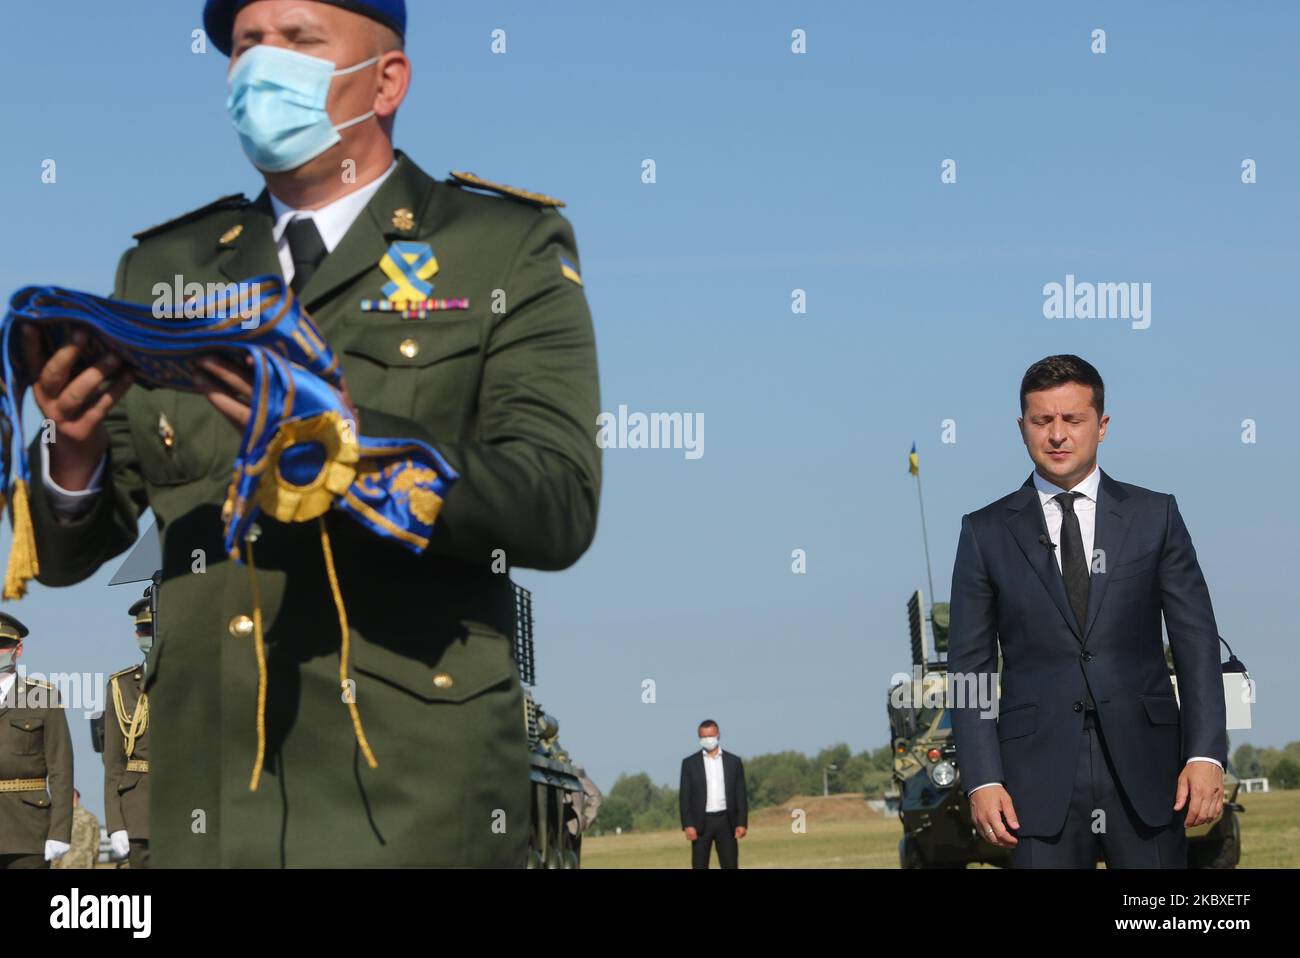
(714, 806)
(1069, 575)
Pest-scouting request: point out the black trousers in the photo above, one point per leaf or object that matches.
(23, 861)
(1101, 824)
(717, 830)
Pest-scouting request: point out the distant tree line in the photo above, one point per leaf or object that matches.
(636, 804)
(1281, 766)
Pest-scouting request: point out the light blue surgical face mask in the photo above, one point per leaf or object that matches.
(277, 102)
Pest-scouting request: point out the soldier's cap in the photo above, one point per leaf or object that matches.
(219, 16)
(11, 629)
(141, 611)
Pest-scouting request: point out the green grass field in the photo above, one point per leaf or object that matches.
(843, 832)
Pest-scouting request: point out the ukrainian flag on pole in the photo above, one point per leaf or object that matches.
(913, 465)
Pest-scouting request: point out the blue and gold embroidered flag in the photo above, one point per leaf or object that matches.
(300, 455)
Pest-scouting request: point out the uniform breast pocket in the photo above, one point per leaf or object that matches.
(176, 435)
(27, 736)
(425, 370)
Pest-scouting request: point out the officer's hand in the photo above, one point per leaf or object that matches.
(55, 849)
(121, 843)
(988, 807)
(690, 834)
(1200, 787)
(740, 832)
(76, 402)
(230, 389)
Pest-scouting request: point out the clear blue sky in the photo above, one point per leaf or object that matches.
(776, 172)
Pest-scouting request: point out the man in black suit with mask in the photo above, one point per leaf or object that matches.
(714, 806)
(1090, 755)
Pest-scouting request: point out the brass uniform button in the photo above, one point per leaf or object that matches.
(409, 348)
(230, 235)
(241, 626)
(441, 680)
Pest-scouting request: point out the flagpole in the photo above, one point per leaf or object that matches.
(925, 540)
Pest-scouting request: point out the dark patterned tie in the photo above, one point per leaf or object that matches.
(306, 248)
(1074, 564)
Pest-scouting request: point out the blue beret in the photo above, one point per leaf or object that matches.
(219, 16)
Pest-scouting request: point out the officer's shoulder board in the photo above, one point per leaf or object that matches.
(469, 180)
(39, 684)
(234, 201)
(128, 670)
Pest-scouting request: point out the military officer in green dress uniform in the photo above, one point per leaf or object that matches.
(458, 311)
(126, 751)
(35, 762)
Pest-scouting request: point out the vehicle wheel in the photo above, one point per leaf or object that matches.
(534, 852)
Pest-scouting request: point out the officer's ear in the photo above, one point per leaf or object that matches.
(394, 82)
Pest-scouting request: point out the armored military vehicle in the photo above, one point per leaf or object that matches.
(557, 822)
(932, 806)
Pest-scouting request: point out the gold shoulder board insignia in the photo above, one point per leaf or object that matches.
(129, 668)
(537, 199)
(234, 201)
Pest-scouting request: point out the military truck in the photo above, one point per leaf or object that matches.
(557, 822)
(932, 806)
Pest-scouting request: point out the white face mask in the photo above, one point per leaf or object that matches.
(709, 743)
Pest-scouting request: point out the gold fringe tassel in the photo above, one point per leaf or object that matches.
(23, 562)
(343, 652)
(259, 647)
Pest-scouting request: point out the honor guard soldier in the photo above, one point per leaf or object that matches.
(35, 762)
(457, 312)
(126, 751)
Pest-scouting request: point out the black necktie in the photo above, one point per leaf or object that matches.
(1074, 564)
(306, 248)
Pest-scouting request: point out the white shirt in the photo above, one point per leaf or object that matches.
(7, 680)
(715, 799)
(1085, 507)
(332, 221)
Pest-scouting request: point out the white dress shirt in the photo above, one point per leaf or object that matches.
(715, 799)
(1085, 507)
(332, 221)
(7, 680)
